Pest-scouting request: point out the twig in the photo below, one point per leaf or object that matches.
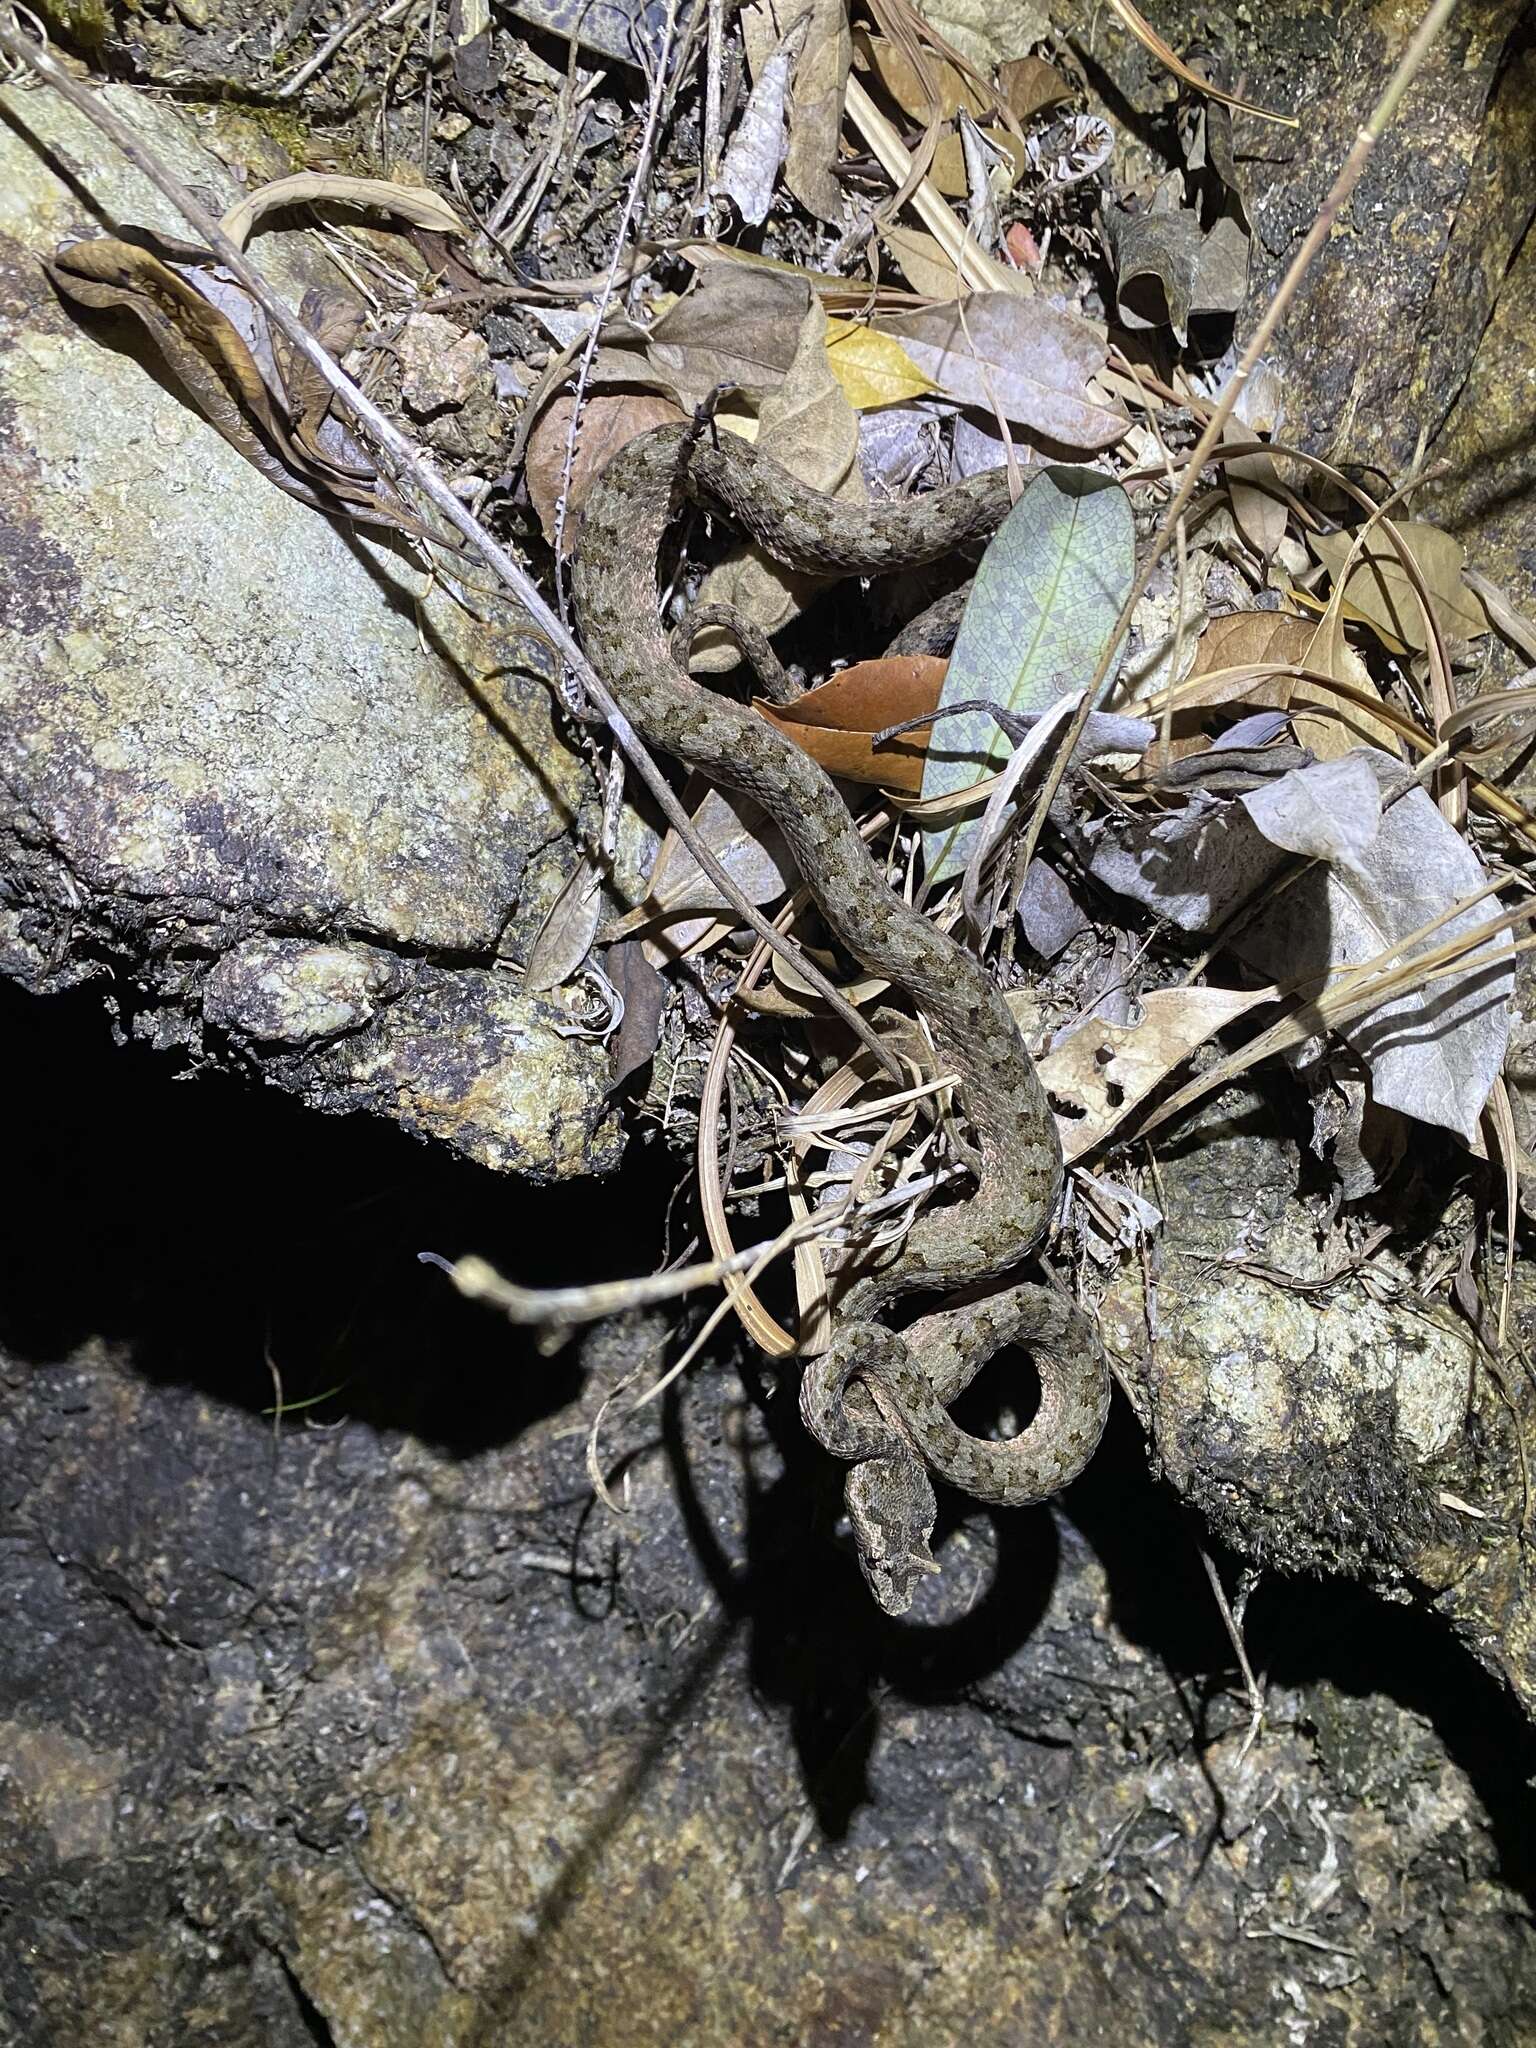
(1230, 1623)
(1344, 184)
(637, 185)
(408, 461)
(327, 50)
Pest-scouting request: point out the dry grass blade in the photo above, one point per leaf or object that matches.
(974, 266)
(1149, 39)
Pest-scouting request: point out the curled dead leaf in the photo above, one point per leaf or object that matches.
(415, 203)
(836, 722)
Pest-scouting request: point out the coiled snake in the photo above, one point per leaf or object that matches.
(894, 1426)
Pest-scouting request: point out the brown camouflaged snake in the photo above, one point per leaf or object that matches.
(893, 1426)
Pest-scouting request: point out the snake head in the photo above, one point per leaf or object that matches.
(891, 1509)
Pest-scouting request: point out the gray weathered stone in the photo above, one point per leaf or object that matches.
(232, 732)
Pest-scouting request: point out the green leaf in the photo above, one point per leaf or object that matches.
(1046, 598)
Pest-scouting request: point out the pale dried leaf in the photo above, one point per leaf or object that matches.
(924, 263)
(750, 167)
(606, 424)
(1103, 1071)
(1017, 356)
(816, 97)
(1377, 589)
(736, 326)
(566, 935)
(1433, 1054)
(988, 32)
(1328, 812)
(414, 203)
(746, 843)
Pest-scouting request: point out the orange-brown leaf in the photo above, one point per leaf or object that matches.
(607, 422)
(836, 722)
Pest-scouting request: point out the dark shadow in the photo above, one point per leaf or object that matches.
(212, 1224)
(819, 1647)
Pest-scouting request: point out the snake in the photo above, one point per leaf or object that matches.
(877, 1398)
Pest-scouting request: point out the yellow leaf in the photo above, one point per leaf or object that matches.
(873, 369)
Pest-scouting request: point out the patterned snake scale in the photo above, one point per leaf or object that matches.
(893, 1426)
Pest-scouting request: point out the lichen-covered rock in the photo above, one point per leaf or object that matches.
(255, 764)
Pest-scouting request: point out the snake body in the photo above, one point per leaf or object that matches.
(897, 1424)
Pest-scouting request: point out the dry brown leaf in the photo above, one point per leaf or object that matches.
(816, 95)
(1102, 1071)
(899, 77)
(607, 422)
(565, 937)
(208, 358)
(1329, 725)
(1377, 589)
(924, 264)
(1239, 640)
(644, 994)
(1336, 726)
(414, 203)
(1030, 85)
(808, 426)
(1018, 356)
(836, 722)
(738, 325)
(746, 843)
(1258, 508)
(948, 169)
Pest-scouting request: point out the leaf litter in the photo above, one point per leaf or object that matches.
(1238, 877)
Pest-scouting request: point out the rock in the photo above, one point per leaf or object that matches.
(1326, 1424)
(381, 1733)
(253, 766)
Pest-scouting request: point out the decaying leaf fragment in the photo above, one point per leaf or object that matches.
(607, 422)
(1103, 1071)
(818, 82)
(747, 844)
(737, 325)
(565, 937)
(1171, 269)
